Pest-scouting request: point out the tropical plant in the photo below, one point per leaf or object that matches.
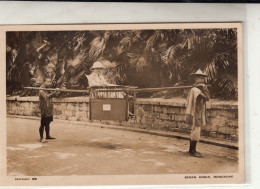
(143, 58)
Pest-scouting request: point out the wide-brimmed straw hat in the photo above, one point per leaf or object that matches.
(97, 65)
(199, 73)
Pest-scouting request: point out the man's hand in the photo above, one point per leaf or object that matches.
(57, 91)
(200, 85)
(204, 90)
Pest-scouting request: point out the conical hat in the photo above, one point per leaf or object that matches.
(199, 73)
(96, 65)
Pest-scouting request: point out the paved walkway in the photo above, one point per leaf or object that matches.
(93, 150)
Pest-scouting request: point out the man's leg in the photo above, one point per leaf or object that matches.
(191, 146)
(194, 138)
(194, 148)
(131, 107)
(47, 129)
(41, 129)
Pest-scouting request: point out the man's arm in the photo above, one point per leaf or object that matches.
(45, 95)
(204, 91)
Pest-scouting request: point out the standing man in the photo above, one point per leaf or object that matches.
(196, 109)
(46, 107)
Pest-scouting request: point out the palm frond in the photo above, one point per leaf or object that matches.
(226, 87)
(164, 57)
(97, 47)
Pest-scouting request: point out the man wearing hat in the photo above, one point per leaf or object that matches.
(196, 109)
(96, 78)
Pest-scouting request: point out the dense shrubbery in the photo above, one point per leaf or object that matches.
(145, 58)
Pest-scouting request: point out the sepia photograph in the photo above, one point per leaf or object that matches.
(144, 101)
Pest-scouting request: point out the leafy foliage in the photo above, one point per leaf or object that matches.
(143, 58)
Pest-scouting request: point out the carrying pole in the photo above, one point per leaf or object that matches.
(62, 90)
(162, 88)
(110, 89)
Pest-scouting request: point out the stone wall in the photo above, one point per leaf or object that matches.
(72, 109)
(152, 113)
(169, 114)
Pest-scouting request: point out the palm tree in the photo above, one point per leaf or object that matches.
(144, 58)
(212, 50)
(215, 52)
